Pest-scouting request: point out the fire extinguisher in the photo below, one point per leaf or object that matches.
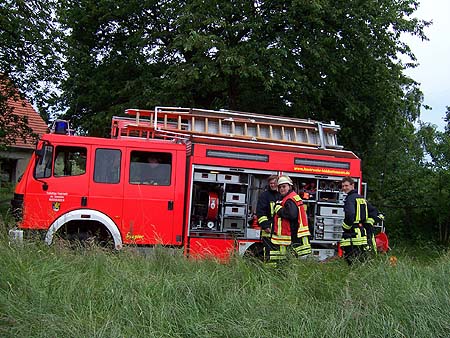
(213, 207)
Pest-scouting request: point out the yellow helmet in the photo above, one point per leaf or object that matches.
(285, 179)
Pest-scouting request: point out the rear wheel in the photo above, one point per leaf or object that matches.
(255, 251)
(85, 234)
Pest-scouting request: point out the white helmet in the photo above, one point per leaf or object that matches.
(285, 179)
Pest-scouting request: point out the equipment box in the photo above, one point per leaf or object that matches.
(330, 223)
(205, 177)
(322, 254)
(226, 178)
(332, 235)
(333, 221)
(232, 224)
(330, 211)
(234, 211)
(234, 198)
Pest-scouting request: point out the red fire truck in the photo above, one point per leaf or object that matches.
(182, 177)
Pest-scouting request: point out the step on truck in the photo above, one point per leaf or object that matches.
(182, 177)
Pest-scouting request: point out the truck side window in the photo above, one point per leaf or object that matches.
(150, 168)
(70, 161)
(107, 165)
(43, 168)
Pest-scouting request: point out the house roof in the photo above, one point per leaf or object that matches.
(35, 122)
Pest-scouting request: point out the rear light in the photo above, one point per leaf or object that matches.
(17, 207)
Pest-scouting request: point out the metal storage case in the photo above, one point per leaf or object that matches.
(227, 178)
(234, 211)
(332, 235)
(234, 198)
(231, 224)
(330, 211)
(205, 177)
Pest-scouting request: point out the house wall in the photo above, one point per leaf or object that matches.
(18, 159)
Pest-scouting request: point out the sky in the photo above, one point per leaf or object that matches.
(433, 56)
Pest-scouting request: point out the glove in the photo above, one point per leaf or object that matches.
(380, 217)
(277, 206)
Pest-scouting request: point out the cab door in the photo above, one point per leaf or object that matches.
(106, 186)
(152, 208)
(59, 183)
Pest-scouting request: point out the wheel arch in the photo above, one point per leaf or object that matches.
(83, 215)
(251, 248)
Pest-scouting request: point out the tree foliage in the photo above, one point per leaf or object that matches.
(437, 181)
(318, 59)
(29, 60)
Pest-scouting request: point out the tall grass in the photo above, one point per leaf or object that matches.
(6, 218)
(57, 292)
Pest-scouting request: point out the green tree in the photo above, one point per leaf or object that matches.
(320, 59)
(437, 146)
(108, 60)
(410, 181)
(399, 182)
(29, 60)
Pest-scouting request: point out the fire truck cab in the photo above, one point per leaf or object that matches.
(187, 178)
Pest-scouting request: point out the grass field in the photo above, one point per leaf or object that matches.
(56, 292)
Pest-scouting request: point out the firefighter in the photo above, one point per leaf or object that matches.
(290, 226)
(265, 212)
(357, 239)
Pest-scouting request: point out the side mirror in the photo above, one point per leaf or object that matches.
(40, 152)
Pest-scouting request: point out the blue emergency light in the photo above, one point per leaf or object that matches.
(61, 127)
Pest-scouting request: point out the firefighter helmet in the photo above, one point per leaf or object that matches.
(285, 179)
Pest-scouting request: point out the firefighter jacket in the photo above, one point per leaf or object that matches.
(290, 222)
(373, 215)
(356, 216)
(265, 209)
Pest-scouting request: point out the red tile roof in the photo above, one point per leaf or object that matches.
(35, 122)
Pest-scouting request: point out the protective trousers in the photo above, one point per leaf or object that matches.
(278, 254)
(268, 246)
(301, 246)
(354, 244)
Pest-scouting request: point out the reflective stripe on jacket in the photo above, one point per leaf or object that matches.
(282, 234)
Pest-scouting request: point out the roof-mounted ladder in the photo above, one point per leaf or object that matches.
(174, 122)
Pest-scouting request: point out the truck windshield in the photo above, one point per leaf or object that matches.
(43, 167)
